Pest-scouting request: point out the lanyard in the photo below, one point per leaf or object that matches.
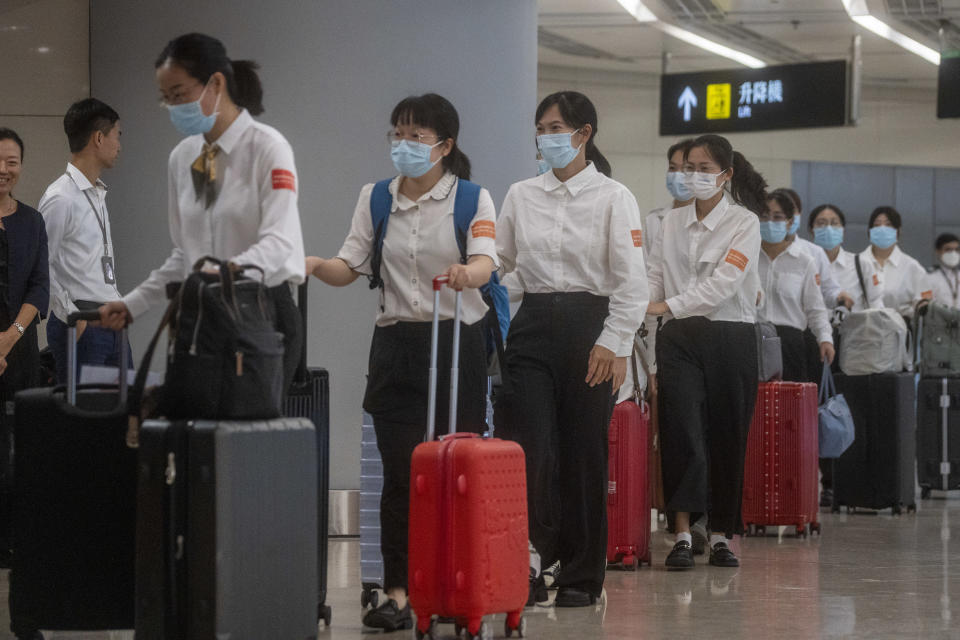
(955, 285)
(100, 221)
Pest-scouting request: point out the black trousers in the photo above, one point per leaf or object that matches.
(796, 357)
(561, 423)
(707, 375)
(289, 322)
(396, 397)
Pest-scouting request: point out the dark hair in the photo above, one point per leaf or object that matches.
(202, 56)
(435, 112)
(577, 111)
(683, 145)
(892, 215)
(84, 118)
(942, 239)
(10, 134)
(783, 199)
(793, 196)
(747, 187)
(820, 209)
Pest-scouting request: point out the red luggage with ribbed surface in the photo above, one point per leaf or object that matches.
(468, 553)
(780, 472)
(628, 496)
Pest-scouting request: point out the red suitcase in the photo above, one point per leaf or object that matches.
(468, 549)
(780, 471)
(628, 497)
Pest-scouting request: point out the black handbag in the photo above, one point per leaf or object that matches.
(224, 356)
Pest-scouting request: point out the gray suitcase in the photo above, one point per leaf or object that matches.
(227, 530)
(371, 486)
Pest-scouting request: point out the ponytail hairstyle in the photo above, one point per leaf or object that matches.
(747, 187)
(782, 197)
(201, 56)
(577, 111)
(435, 112)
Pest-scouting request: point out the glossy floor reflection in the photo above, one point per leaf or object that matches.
(869, 576)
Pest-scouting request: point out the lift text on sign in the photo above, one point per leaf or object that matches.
(781, 97)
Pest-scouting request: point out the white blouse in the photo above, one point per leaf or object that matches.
(791, 292)
(904, 280)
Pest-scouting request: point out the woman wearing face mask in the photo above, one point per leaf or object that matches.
(703, 276)
(676, 185)
(791, 298)
(946, 275)
(827, 224)
(905, 282)
(573, 238)
(419, 243)
(232, 185)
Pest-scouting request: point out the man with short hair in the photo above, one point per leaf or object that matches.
(82, 268)
(945, 275)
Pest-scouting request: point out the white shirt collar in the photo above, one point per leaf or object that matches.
(81, 180)
(574, 185)
(229, 138)
(440, 191)
(711, 220)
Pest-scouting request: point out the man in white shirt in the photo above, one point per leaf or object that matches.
(82, 268)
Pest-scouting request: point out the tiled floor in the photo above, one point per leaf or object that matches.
(869, 576)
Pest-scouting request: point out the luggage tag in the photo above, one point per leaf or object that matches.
(109, 277)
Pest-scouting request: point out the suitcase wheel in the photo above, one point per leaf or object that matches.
(429, 633)
(925, 491)
(369, 596)
(629, 563)
(896, 509)
(911, 508)
(325, 613)
(801, 531)
(760, 530)
(520, 627)
(815, 528)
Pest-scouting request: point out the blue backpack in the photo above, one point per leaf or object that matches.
(464, 209)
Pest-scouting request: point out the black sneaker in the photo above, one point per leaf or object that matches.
(681, 557)
(721, 556)
(550, 575)
(538, 589)
(389, 617)
(573, 597)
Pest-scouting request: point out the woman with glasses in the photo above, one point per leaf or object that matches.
(905, 282)
(791, 297)
(232, 185)
(827, 224)
(572, 236)
(419, 243)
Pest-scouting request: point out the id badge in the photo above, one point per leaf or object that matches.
(109, 277)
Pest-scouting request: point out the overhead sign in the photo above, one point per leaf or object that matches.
(790, 96)
(948, 85)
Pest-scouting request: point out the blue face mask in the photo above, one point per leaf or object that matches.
(189, 118)
(883, 237)
(542, 167)
(773, 232)
(412, 159)
(557, 149)
(828, 237)
(795, 226)
(677, 186)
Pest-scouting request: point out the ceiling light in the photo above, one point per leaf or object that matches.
(859, 13)
(638, 10)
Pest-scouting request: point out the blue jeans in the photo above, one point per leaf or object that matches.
(97, 346)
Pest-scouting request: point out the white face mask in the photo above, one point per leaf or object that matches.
(704, 185)
(950, 259)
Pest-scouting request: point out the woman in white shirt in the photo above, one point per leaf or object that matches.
(904, 281)
(573, 238)
(792, 299)
(232, 185)
(946, 275)
(827, 224)
(419, 243)
(703, 274)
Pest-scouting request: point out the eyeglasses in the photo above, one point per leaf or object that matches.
(820, 224)
(179, 96)
(766, 217)
(395, 136)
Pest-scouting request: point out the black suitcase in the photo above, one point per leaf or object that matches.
(878, 470)
(226, 530)
(938, 434)
(74, 508)
(309, 397)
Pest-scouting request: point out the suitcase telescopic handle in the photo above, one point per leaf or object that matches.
(91, 315)
(438, 283)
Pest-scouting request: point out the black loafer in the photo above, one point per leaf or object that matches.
(681, 557)
(721, 556)
(389, 617)
(573, 597)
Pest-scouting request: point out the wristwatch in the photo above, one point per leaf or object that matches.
(19, 327)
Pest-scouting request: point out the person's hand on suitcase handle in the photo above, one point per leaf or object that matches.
(114, 315)
(474, 274)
